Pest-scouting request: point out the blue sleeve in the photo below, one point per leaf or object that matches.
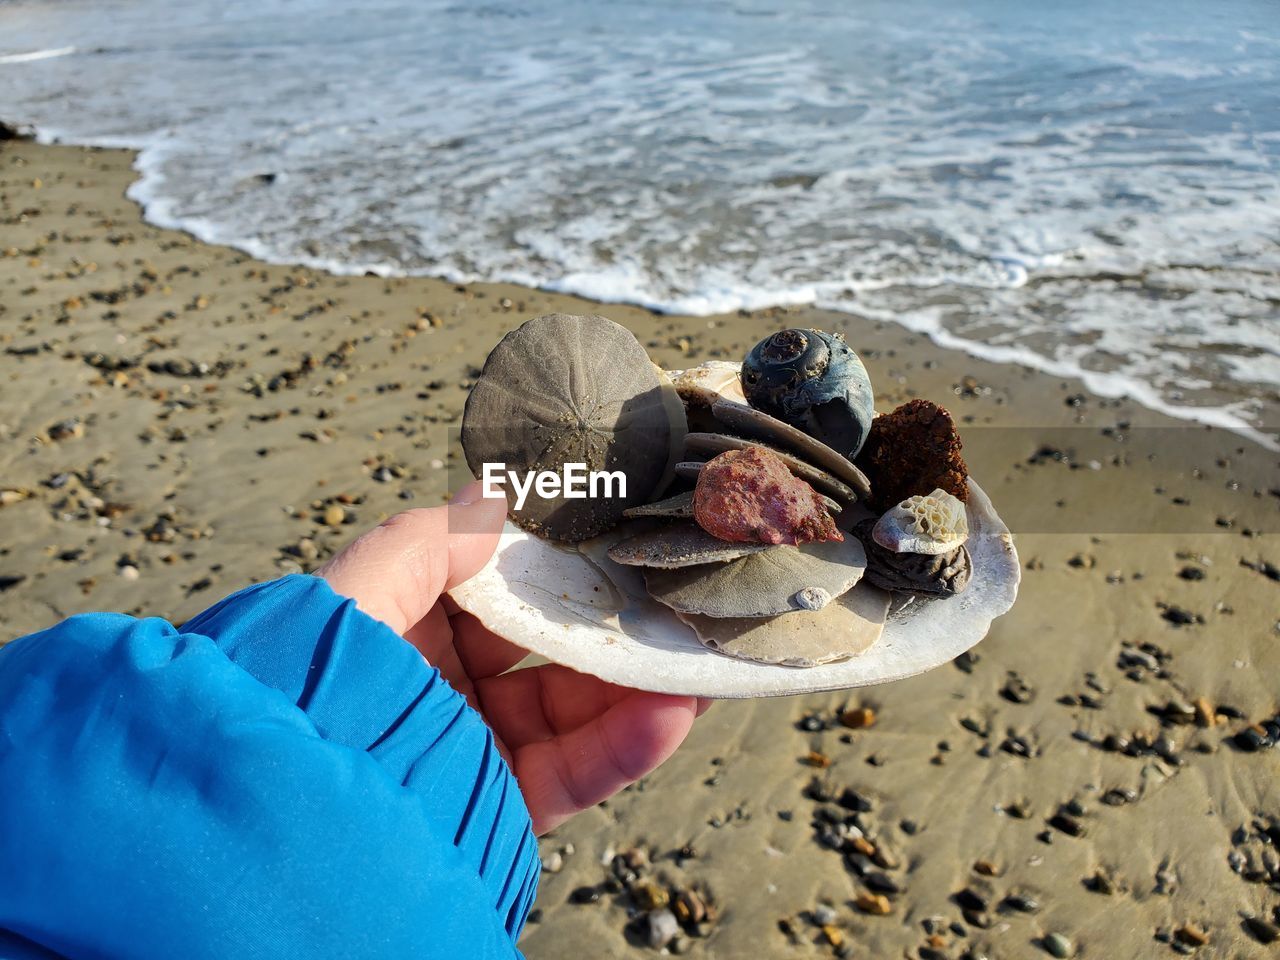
(284, 777)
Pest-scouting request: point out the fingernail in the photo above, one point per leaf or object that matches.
(469, 494)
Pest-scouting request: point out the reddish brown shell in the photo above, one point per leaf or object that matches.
(749, 496)
(913, 451)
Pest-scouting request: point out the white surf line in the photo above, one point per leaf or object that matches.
(36, 55)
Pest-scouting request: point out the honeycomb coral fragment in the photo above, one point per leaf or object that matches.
(933, 525)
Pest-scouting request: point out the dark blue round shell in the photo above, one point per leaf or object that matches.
(813, 380)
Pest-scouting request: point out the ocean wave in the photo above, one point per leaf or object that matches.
(1022, 193)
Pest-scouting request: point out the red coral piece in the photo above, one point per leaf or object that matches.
(749, 496)
(913, 450)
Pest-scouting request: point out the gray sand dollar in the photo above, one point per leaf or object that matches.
(566, 389)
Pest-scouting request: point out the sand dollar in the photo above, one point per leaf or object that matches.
(765, 584)
(564, 389)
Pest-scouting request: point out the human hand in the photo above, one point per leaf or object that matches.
(572, 740)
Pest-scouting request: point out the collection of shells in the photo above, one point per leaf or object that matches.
(764, 501)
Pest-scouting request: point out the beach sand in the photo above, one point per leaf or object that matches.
(178, 420)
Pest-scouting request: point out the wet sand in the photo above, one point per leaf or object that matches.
(178, 420)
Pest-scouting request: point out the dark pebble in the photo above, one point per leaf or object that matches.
(851, 799)
(830, 839)
(910, 827)
(585, 895)
(1252, 738)
(1264, 931)
(970, 899)
(819, 790)
(1017, 690)
(811, 724)
(1022, 903)
(973, 726)
(535, 916)
(977, 918)
(881, 883)
(1102, 883)
(1017, 745)
(1180, 617)
(1067, 824)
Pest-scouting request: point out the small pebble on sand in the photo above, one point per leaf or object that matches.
(873, 903)
(1058, 945)
(662, 928)
(858, 718)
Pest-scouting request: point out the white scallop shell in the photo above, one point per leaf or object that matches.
(576, 607)
(594, 616)
(934, 525)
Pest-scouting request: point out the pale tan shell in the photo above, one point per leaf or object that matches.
(933, 525)
(846, 628)
(702, 385)
(576, 607)
(763, 584)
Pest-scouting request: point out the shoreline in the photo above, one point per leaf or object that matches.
(179, 420)
(1101, 384)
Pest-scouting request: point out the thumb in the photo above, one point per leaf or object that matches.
(397, 571)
